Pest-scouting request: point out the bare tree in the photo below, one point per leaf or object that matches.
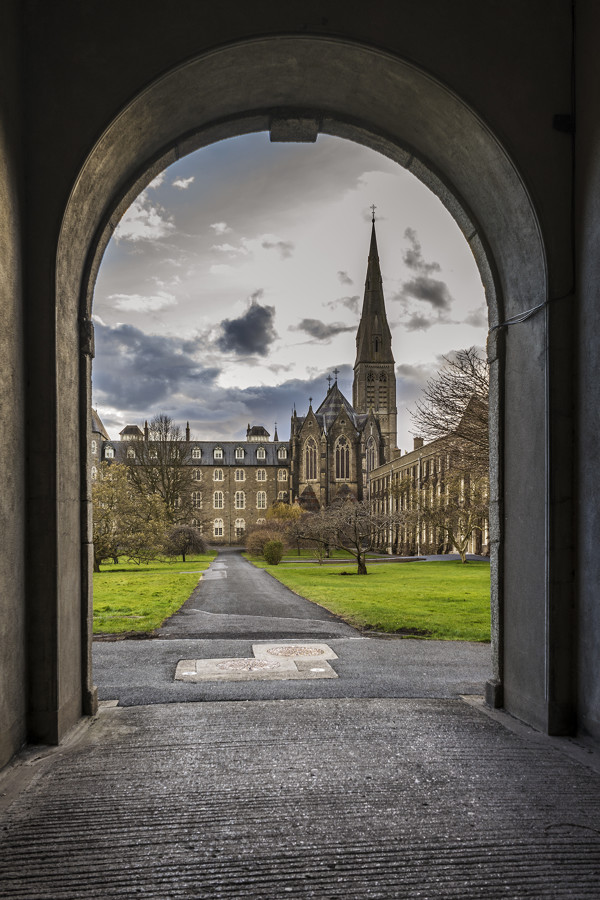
(160, 464)
(182, 540)
(124, 521)
(455, 406)
(354, 527)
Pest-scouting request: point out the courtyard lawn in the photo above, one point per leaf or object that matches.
(436, 600)
(132, 598)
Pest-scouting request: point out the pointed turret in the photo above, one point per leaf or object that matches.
(374, 385)
(373, 338)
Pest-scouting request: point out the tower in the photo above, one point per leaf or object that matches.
(374, 386)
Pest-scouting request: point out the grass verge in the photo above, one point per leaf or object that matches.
(436, 600)
(132, 598)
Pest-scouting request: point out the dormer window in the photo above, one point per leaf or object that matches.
(196, 453)
(153, 454)
(261, 453)
(218, 453)
(109, 453)
(239, 453)
(130, 453)
(282, 453)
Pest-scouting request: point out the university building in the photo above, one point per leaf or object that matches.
(338, 451)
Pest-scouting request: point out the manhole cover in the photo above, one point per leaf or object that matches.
(247, 665)
(295, 651)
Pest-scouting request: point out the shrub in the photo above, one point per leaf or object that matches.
(182, 540)
(259, 536)
(273, 552)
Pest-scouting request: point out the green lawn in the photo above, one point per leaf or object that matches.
(442, 600)
(128, 597)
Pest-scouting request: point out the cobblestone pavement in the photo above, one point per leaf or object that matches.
(302, 798)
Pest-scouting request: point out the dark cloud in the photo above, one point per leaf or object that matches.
(429, 290)
(344, 278)
(413, 256)
(419, 323)
(286, 248)
(350, 303)
(321, 331)
(133, 369)
(252, 333)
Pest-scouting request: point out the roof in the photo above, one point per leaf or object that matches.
(97, 426)
(332, 406)
(207, 449)
(258, 431)
(132, 429)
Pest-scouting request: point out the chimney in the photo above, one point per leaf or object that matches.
(146, 430)
(418, 443)
(187, 432)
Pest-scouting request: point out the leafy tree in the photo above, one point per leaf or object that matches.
(289, 517)
(455, 406)
(260, 535)
(160, 466)
(184, 539)
(124, 522)
(351, 526)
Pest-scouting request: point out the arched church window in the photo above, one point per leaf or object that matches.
(370, 389)
(372, 460)
(310, 460)
(382, 390)
(342, 459)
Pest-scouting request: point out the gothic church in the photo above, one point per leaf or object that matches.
(335, 448)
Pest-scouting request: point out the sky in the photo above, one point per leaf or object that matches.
(233, 286)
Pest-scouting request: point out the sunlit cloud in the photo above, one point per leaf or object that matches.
(183, 183)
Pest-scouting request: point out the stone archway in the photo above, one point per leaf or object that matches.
(295, 87)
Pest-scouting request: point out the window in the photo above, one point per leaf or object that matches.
(94, 446)
(261, 474)
(310, 460)
(342, 459)
(240, 500)
(196, 500)
(282, 453)
(176, 504)
(282, 475)
(130, 453)
(218, 475)
(218, 453)
(371, 455)
(109, 453)
(94, 473)
(261, 453)
(153, 454)
(218, 528)
(197, 475)
(240, 527)
(382, 390)
(261, 521)
(218, 500)
(175, 454)
(261, 500)
(282, 496)
(196, 453)
(239, 452)
(240, 475)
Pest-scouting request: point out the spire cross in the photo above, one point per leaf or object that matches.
(373, 208)
(329, 382)
(336, 372)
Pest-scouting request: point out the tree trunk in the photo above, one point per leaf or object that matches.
(362, 565)
(96, 565)
(183, 556)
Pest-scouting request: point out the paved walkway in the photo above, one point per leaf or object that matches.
(237, 605)
(307, 799)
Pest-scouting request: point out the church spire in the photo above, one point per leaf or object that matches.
(374, 387)
(373, 338)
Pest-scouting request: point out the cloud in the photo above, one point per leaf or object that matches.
(419, 323)
(413, 256)
(141, 303)
(135, 370)
(321, 331)
(156, 182)
(428, 290)
(478, 318)
(251, 333)
(286, 248)
(220, 269)
(350, 303)
(183, 183)
(144, 221)
(344, 278)
(229, 248)
(220, 227)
